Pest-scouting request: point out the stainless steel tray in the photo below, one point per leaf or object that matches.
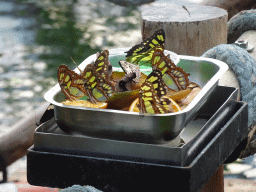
(131, 126)
(217, 142)
(221, 107)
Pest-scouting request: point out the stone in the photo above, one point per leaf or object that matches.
(8, 187)
(238, 168)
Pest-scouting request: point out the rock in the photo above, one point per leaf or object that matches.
(8, 187)
(79, 188)
(238, 168)
(250, 174)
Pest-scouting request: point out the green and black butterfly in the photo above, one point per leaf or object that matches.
(174, 77)
(94, 81)
(142, 53)
(71, 83)
(151, 99)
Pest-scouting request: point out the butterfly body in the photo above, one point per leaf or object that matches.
(131, 68)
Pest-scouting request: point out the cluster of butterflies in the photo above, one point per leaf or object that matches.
(97, 83)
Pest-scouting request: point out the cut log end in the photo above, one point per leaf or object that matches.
(168, 12)
(190, 29)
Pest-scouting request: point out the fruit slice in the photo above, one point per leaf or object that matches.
(133, 107)
(82, 103)
(175, 107)
(182, 93)
(122, 100)
(179, 94)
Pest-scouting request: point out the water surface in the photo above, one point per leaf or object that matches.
(36, 37)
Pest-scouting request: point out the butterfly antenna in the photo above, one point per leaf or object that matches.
(76, 65)
(184, 7)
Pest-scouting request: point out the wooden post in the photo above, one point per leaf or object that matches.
(216, 183)
(190, 29)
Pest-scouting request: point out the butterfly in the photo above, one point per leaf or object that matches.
(131, 68)
(71, 83)
(142, 53)
(102, 64)
(151, 92)
(131, 79)
(174, 77)
(94, 81)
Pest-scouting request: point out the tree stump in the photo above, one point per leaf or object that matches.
(190, 29)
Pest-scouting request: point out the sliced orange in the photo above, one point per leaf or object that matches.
(182, 93)
(133, 107)
(175, 105)
(82, 103)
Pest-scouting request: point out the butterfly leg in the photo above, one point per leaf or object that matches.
(91, 97)
(66, 93)
(142, 107)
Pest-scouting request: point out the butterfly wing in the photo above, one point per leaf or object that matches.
(158, 38)
(174, 77)
(71, 83)
(145, 57)
(142, 53)
(151, 92)
(102, 64)
(149, 101)
(161, 62)
(97, 83)
(155, 78)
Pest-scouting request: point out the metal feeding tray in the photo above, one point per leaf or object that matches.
(61, 160)
(117, 124)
